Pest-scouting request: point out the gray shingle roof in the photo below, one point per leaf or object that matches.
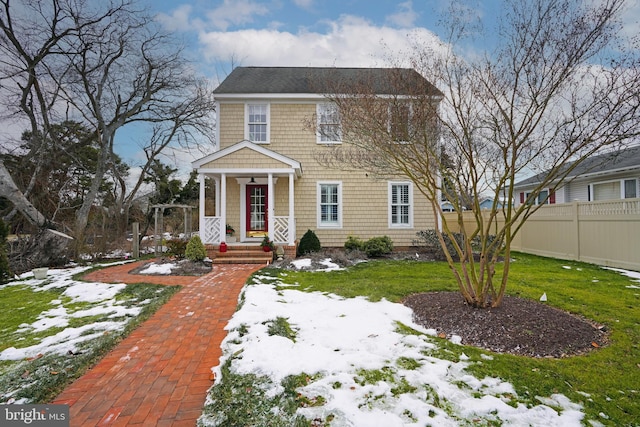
(320, 80)
(628, 158)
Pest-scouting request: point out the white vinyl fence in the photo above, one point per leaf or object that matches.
(604, 233)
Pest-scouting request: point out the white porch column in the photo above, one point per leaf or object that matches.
(292, 222)
(201, 205)
(223, 206)
(217, 191)
(270, 205)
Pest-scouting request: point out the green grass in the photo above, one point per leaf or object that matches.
(41, 379)
(606, 380)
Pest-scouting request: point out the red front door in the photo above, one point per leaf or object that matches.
(256, 214)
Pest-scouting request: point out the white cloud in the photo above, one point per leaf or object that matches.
(235, 12)
(405, 17)
(178, 20)
(348, 42)
(631, 18)
(304, 4)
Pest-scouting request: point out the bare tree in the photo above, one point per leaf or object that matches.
(106, 65)
(560, 85)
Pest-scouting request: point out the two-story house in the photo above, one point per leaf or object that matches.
(607, 176)
(265, 177)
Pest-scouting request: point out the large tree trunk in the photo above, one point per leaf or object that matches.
(10, 191)
(47, 248)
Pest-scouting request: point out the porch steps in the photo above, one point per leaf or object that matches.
(239, 254)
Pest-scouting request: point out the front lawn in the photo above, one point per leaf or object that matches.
(53, 330)
(604, 383)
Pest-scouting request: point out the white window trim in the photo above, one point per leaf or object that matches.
(621, 185)
(325, 225)
(390, 184)
(319, 140)
(246, 121)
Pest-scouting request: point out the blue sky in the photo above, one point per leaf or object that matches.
(347, 33)
(301, 32)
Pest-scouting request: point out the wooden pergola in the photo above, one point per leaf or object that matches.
(159, 222)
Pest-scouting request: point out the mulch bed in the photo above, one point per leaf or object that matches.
(184, 267)
(519, 326)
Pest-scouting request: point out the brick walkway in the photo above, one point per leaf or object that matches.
(159, 375)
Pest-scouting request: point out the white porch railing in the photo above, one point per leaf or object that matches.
(283, 229)
(211, 232)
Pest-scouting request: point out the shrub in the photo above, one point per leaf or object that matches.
(378, 246)
(195, 250)
(309, 243)
(429, 239)
(353, 243)
(176, 247)
(5, 272)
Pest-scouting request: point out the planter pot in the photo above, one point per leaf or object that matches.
(230, 239)
(40, 273)
(266, 248)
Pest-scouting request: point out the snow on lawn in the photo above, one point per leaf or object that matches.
(342, 339)
(101, 302)
(635, 275)
(307, 263)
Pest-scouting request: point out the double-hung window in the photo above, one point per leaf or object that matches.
(329, 131)
(400, 204)
(400, 121)
(257, 123)
(330, 204)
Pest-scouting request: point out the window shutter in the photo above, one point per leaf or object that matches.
(552, 197)
(521, 198)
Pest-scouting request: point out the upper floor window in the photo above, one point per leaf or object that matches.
(330, 204)
(400, 204)
(257, 123)
(329, 130)
(400, 121)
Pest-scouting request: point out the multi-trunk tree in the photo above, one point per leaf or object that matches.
(106, 65)
(556, 83)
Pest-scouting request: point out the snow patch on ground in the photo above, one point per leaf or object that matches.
(338, 338)
(159, 268)
(100, 296)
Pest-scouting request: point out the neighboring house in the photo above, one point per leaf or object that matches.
(265, 179)
(447, 206)
(486, 203)
(607, 176)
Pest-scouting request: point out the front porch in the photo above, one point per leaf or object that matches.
(251, 189)
(213, 231)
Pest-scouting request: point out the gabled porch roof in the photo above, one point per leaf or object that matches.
(245, 157)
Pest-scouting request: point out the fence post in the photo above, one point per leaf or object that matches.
(575, 206)
(136, 240)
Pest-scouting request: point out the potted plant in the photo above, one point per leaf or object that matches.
(230, 232)
(267, 244)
